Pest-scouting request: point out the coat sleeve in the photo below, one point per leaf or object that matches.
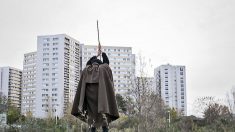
(105, 58)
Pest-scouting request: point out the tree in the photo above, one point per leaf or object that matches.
(215, 112)
(13, 114)
(145, 104)
(231, 100)
(212, 110)
(3, 103)
(122, 104)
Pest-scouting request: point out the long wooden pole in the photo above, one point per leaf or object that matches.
(99, 45)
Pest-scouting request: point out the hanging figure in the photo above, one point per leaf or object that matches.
(95, 101)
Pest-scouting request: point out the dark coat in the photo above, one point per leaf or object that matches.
(93, 74)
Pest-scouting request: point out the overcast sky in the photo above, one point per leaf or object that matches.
(196, 33)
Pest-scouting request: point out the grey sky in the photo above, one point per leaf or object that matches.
(196, 33)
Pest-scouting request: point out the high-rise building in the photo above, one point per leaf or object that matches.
(57, 74)
(10, 84)
(28, 92)
(170, 83)
(122, 63)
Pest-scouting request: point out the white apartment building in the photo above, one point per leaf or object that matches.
(10, 84)
(170, 83)
(57, 74)
(28, 92)
(122, 63)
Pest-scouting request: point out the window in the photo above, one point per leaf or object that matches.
(54, 64)
(45, 74)
(55, 39)
(55, 59)
(54, 74)
(54, 84)
(55, 54)
(45, 64)
(43, 95)
(45, 49)
(181, 69)
(181, 73)
(54, 69)
(45, 54)
(54, 79)
(55, 49)
(45, 69)
(46, 39)
(45, 59)
(54, 44)
(45, 84)
(54, 89)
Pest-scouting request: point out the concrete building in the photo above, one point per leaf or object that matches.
(10, 84)
(122, 63)
(3, 119)
(57, 74)
(170, 83)
(28, 94)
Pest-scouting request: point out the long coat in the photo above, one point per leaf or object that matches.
(101, 75)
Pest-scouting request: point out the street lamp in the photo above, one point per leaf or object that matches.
(169, 115)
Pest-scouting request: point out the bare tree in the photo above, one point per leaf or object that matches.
(212, 109)
(231, 100)
(147, 105)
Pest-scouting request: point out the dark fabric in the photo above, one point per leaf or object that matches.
(91, 98)
(105, 129)
(92, 129)
(95, 79)
(94, 59)
(105, 58)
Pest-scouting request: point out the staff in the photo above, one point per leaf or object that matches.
(99, 46)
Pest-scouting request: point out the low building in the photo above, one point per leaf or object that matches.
(3, 119)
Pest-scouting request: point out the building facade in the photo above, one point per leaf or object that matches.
(170, 84)
(28, 92)
(10, 84)
(57, 74)
(122, 63)
(3, 119)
